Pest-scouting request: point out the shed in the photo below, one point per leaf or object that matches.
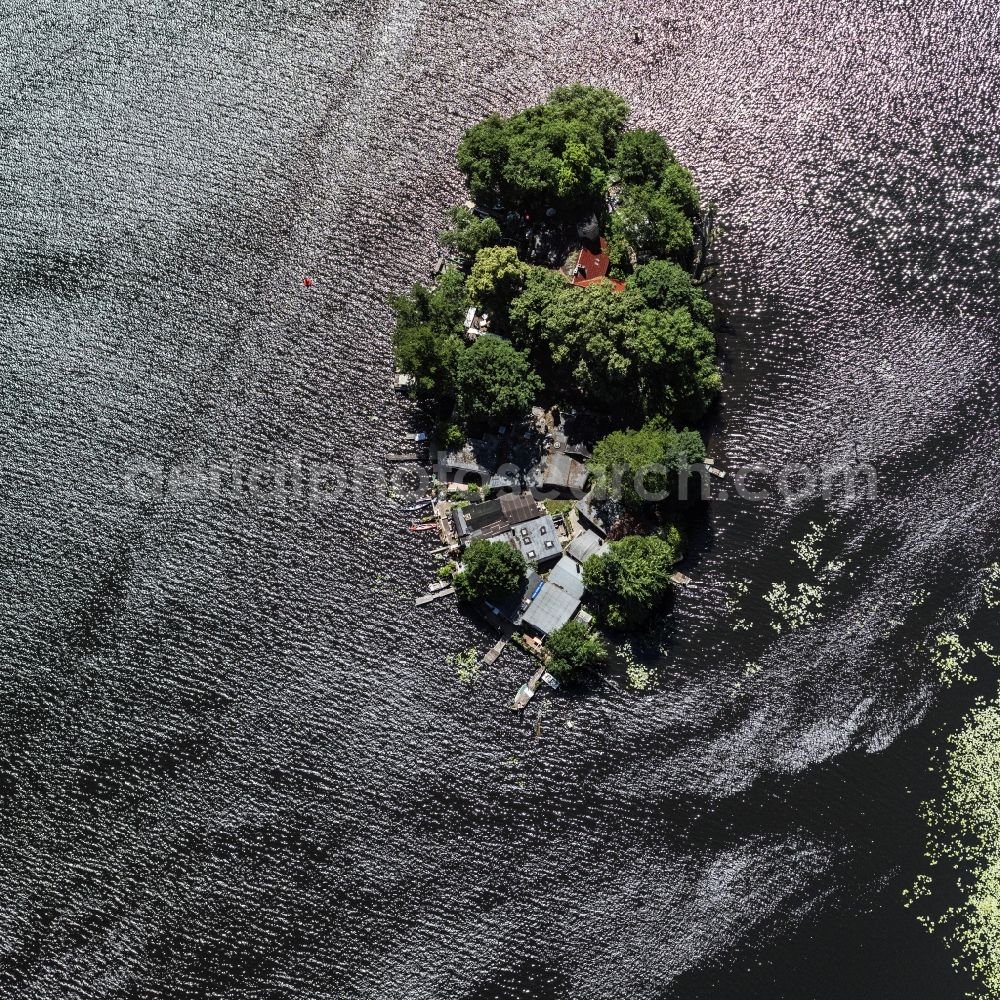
(585, 545)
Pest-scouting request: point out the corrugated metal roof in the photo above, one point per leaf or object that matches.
(567, 575)
(585, 545)
(550, 610)
(518, 507)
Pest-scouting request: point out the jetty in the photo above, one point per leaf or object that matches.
(527, 691)
(410, 456)
(435, 595)
(681, 580)
(494, 654)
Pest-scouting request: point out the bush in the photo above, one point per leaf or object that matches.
(470, 234)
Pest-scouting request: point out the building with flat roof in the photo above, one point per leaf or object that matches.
(568, 574)
(550, 610)
(537, 540)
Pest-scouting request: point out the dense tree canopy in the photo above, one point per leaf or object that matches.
(491, 571)
(495, 383)
(650, 221)
(642, 156)
(574, 647)
(615, 352)
(630, 581)
(665, 285)
(497, 276)
(641, 466)
(555, 154)
(427, 340)
(469, 234)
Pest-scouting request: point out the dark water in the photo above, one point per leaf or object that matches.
(234, 761)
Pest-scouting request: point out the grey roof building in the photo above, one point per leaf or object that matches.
(585, 545)
(550, 610)
(567, 574)
(598, 513)
(564, 475)
(537, 540)
(473, 462)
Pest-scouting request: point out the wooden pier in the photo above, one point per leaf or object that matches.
(433, 596)
(410, 456)
(527, 691)
(494, 654)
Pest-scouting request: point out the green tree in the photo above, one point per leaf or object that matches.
(574, 647)
(497, 276)
(491, 571)
(636, 466)
(495, 383)
(642, 157)
(652, 223)
(613, 352)
(552, 154)
(666, 285)
(630, 581)
(427, 340)
(469, 234)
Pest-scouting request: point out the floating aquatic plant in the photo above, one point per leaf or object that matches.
(991, 588)
(639, 677)
(466, 664)
(963, 839)
(950, 658)
(808, 547)
(749, 671)
(797, 609)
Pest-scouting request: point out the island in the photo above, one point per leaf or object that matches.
(564, 359)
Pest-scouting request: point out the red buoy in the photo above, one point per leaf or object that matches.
(307, 282)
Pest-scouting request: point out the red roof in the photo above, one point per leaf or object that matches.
(593, 265)
(592, 268)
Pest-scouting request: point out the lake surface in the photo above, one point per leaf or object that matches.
(233, 760)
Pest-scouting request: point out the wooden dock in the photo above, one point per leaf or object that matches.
(410, 456)
(527, 691)
(434, 596)
(494, 654)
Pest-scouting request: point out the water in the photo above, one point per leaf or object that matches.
(235, 763)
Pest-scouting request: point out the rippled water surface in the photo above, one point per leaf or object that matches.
(234, 761)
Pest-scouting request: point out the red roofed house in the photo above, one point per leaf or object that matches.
(592, 268)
